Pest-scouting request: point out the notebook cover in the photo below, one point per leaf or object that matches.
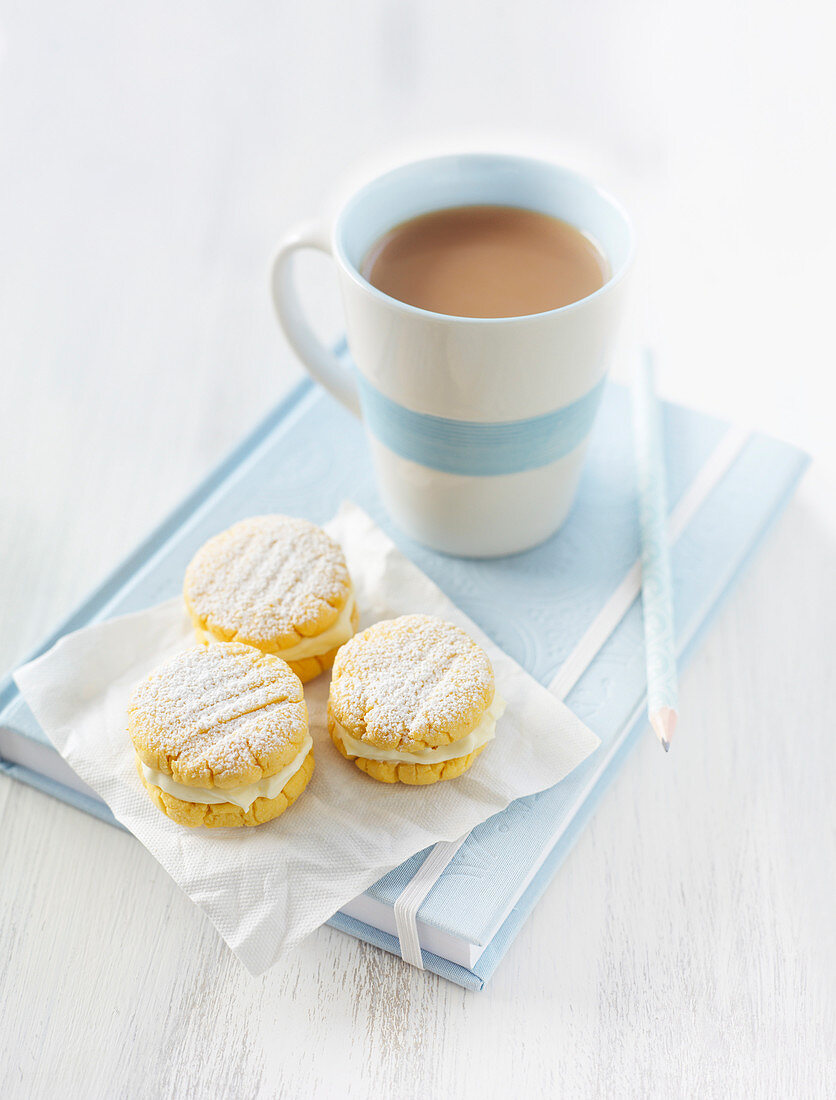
(534, 605)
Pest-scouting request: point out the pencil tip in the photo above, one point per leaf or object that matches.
(663, 721)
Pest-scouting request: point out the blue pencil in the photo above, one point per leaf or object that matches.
(657, 588)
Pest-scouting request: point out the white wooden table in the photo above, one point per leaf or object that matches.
(150, 156)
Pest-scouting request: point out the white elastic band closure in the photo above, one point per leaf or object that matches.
(410, 898)
(719, 462)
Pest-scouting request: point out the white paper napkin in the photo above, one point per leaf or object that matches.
(266, 888)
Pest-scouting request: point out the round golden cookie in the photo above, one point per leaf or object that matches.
(277, 583)
(216, 719)
(407, 685)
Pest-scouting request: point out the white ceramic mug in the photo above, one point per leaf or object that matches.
(477, 426)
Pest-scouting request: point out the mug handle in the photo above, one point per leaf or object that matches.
(320, 361)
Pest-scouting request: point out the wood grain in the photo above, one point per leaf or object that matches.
(149, 159)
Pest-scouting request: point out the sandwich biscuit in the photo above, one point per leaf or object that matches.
(277, 583)
(412, 700)
(221, 736)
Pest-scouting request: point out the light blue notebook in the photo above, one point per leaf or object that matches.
(724, 490)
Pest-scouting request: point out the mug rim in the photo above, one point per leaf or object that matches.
(615, 278)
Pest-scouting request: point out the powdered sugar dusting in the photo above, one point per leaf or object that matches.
(268, 579)
(225, 713)
(411, 681)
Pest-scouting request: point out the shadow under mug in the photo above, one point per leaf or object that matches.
(477, 426)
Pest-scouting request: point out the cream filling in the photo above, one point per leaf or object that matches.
(338, 632)
(482, 732)
(242, 796)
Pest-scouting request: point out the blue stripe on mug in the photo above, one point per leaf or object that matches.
(475, 448)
